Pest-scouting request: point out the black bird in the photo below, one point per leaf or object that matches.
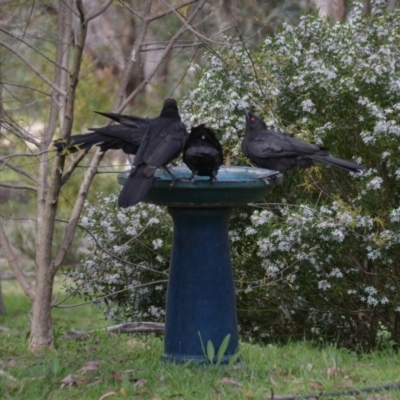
(272, 150)
(163, 141)
(127, 120)
(125, 136)
(203, 152)
(108, 137)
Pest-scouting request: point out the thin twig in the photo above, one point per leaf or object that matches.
(43, 77)
(73, 165)
(107, 295)
(20, 171)
(18, 187)
(24, 155)
(189, 26)
(162, 58)
(13, 262)
(173, 9)
(21, 40)
(95, 13)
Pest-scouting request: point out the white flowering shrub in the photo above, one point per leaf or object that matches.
(320, 257)
(127, 268)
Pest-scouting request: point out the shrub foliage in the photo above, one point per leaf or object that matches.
(320, 257)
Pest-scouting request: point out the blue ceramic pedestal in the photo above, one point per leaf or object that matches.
(201, 304)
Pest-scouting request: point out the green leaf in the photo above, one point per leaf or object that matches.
(234, 358)
(223, 347)
(210, 351)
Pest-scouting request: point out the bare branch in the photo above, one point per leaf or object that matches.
(20, 171)
(134, 54)
(127, 327)
(188, 26)
(20, 187)
(24, 155)
(21, 40)
(173, 9)
(162, 58)
(120, 258)
(108, 295)
(12, 260)
(76, 212)
(131, 10)
(43, 77)
(18, 131)
(73, 166)
(95, 13)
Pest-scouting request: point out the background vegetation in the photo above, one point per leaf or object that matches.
(318, 259)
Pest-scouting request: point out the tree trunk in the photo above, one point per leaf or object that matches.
(366, 6)
(2, 306)
(392, 4)
(41, 334)
(336, 10)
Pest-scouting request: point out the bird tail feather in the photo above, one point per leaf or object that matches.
(79, 142)
(136, 187)
(339, 162)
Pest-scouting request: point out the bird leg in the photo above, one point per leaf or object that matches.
(129, 160)
(191, 178)
(213, 177)
(173, 177)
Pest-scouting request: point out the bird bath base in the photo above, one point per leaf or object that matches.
(201, 304)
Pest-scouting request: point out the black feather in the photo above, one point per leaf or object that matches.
(272, 150)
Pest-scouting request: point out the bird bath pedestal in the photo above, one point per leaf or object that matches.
(201, 304)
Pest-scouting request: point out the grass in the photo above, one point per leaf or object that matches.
(130, 367)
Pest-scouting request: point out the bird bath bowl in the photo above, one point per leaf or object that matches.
(201, 304)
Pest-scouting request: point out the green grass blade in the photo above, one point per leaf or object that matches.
(210, 351)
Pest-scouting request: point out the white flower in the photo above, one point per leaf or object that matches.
(308, 106)
(324, 285)
(370, 290)
(157, 243)
(375, 183)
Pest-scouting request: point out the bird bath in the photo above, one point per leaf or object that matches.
(201, 303)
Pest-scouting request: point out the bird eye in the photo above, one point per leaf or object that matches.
(252, 119)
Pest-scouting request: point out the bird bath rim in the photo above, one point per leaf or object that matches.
(235, 186)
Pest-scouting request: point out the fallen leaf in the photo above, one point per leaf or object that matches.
(346, 385)
(309, 367)
(317, 385)
(78, 380)
(230, 381)
(68, 380)
(7, 376)
(273, 381)
(131, 373)
(12, 363)
(333, 372)
(132, 343)
(108, 394)
(90, 366)
(139, 382)
(117, 376)
(123, 392)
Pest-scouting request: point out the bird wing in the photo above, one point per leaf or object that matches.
(122, 132)
(128, 120)
(203, 131)
(161, 144)
(272, 144)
